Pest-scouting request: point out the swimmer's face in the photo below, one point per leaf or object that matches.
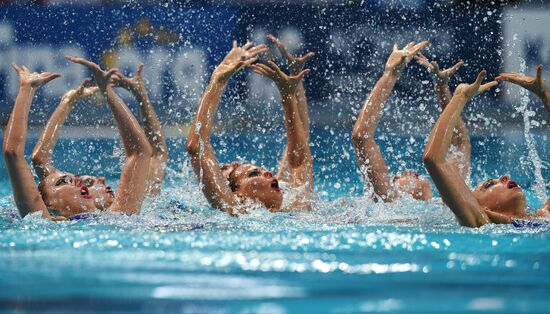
(64, 193)
(413, 184)
(258, 184)
(501, 195)
(103, 195)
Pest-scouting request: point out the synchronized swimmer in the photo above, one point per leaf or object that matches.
(236, 187)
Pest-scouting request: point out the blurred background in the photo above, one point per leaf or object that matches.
(180, 42)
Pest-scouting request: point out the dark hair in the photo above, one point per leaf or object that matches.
(42, 191)
(228, 170)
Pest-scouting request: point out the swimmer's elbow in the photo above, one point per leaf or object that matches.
(193, 145)
(357, 136)
(359, 139)
(37, 158)
(145, 151)
(11, 152)
(430, 161)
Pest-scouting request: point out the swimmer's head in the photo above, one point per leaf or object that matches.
(413, 184)
(501, 195)
(249, 181)
(102, 194)
(64, 193)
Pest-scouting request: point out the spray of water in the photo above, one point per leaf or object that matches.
(539, 185)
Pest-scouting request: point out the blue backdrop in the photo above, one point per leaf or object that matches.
(180, 45)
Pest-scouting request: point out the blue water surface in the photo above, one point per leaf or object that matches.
(349, 255)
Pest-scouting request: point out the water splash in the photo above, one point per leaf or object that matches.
(539, 185)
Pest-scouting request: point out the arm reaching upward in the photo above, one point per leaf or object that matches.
(461, 139)
(43, 150)
(151, 125)
(449, 182)
(296, 65)
(131, 187)
(25, 192)
(298, 150)
(371, 160)
(536, 84)
(202, 155)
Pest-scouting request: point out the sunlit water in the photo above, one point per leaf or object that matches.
(347, 255)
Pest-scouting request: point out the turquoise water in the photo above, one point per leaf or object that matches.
(348, 255)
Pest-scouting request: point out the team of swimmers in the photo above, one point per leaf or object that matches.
(235, 187)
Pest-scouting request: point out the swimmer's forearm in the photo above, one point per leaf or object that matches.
(461, 137)
(151, 124)
(42, 152)
(372, 109)
(16, 130)
(202, 124)
(282, 173)
(303, 107)
(133, 137)
(298, 146)
(440, 138)
(443, 92)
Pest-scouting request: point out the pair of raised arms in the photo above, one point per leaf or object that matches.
(138, 149)
(369, 155)
(464, 203)
(296, 164)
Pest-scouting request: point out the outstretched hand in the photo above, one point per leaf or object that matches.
(470, 90)
(287, 84)
(237, 59)
(433, 67)
(536, 84)
(296, 63)
(132, 84)
(399, 58)
(33, 79)
(101, 77)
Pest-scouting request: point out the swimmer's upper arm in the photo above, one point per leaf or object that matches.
(25, 192)
(131, 187)
(373, 166)
(455, 193)
(208, 171)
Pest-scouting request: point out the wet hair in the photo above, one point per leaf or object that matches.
(42, 191)
(228, 170)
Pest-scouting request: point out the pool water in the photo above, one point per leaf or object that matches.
(348, 255)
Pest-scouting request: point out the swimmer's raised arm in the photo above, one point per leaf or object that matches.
(298, 150)
(448, 180)
(296, 66)
(461, 138)
(370, 158)
(43, 150)
(202, 155)
(25, 192)
(131, 186)
(536, 84)
(151, 126)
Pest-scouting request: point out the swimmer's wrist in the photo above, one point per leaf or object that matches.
(28, 88)
(138, 90)
(27, 85)
(441, 80)
(392, 72)
(216, 79)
